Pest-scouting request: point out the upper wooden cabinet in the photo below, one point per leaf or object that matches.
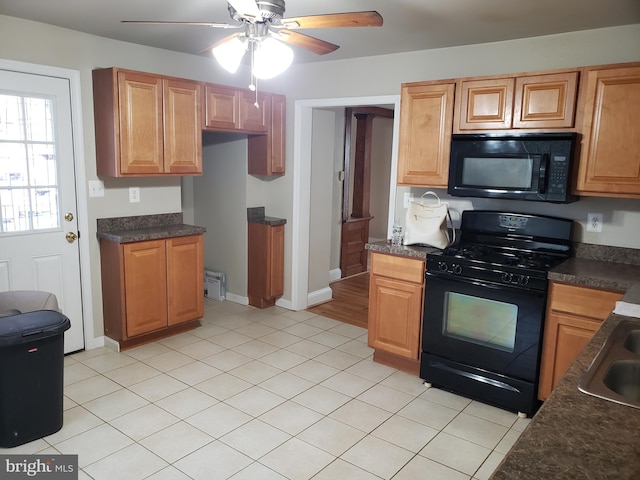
(222, 108)
(426, 120)
(266, 153)
(146, 125)
(610, 155)
(228, 108)
(532, 101)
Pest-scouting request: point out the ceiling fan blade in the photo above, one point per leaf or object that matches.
(307, 42)
(246, 7)
(204, 24)
(354, 19)
(220, 42)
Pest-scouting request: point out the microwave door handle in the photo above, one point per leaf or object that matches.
(542, 180)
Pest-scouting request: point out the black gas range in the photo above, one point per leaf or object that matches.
(484, 306)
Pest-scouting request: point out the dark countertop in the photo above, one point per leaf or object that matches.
(575, 435)
(256, 215)
(597, 273)
(405, 251)
(145, 227)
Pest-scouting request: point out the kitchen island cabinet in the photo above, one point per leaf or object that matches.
(610, 154)
(146, 125)
(396, 292)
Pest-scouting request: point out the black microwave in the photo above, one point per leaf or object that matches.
(531, 166)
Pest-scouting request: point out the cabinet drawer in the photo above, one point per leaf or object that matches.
(400, 268)
(583, 301)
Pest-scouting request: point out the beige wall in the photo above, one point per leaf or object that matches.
(32, 42)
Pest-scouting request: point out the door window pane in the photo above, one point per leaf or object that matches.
(28, 165)
(480, 321)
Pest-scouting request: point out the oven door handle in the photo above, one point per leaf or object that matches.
(479, 283)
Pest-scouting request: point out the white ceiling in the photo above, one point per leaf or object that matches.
(409, 25)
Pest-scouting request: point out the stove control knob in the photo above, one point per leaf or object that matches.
(442, 266)
(457, 269)
(507, 277)
(523, 280)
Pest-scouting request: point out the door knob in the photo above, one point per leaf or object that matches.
(68, 217)
(71, 237)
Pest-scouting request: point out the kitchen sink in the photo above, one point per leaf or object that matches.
(632, 343)
(614, 374)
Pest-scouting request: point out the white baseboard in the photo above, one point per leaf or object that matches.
(319, 296)
(335, 274)
(232, 297)
(284, 303)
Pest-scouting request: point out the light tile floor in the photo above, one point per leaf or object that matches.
(268, 394)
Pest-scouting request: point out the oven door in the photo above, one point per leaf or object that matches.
(487, 326)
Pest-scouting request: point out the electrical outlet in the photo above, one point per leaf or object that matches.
(96, 188)
(594, 222)
(134, 194)
(408, 198)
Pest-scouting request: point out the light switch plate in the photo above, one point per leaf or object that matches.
(408, 198)
(134, 194)
(96, 188)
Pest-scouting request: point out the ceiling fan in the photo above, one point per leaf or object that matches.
(264, 28)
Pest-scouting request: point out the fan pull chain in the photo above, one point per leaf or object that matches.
(253, 86)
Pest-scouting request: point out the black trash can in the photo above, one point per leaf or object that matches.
(31, 375)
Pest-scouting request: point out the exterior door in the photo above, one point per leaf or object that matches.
(38, 214)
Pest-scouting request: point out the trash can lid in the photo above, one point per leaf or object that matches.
(29, 326)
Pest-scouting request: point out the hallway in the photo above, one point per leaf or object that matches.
(350, 302)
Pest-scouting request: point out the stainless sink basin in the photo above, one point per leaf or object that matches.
(614, 373)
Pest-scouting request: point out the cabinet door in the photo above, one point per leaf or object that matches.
(545, 101)
(485, 104)
(266, 264)
(182, 127)
(222, 110)
(145, 279)
(277, 129)
(566, 337)
(254, 119)
(610, 158)
(574, 314)
(394, 316)
(266, 153)
(185, 278)
(426, 119)
(276, 261)
(140, 117)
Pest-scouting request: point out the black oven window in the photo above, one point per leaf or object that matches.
(480, 321)
(499, 172)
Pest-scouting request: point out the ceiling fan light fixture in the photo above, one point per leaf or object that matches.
(271, 58)
(229, 54)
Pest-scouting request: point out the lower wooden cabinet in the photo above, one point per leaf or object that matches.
(266, 264)
(151, 289)
(574, 314)
(396, 292)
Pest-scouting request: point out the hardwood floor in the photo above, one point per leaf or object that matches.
(350, 303)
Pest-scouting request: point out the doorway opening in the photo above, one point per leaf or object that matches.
(302, 213)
